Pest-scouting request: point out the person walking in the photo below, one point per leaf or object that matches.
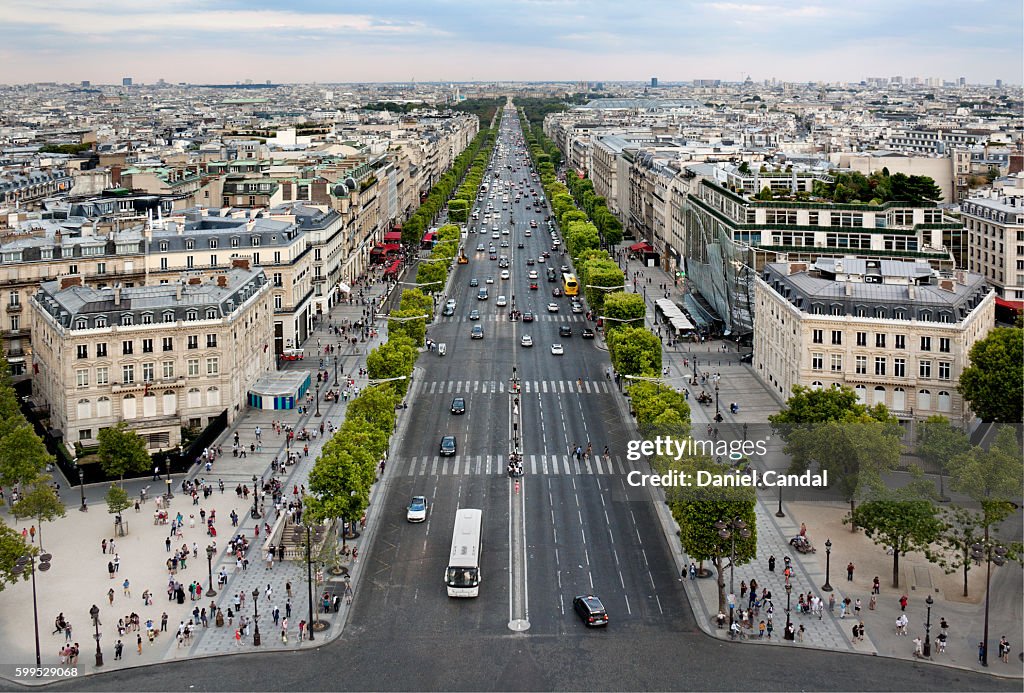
(138, 640)
(849, 572)
(118, 649)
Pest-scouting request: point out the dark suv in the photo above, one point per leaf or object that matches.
(590, 610)
(458, 405)
(564, 331)
(447, 446)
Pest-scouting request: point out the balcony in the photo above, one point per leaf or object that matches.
(14, 307)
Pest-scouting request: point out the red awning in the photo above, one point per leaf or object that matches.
(1012, 305)
(642, 246)
(386, 248)
(393, 267)
(393, 237)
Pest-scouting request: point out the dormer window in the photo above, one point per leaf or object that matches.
(190, 244)
(234, 241)
(168, 316)
(101, 322)
(255, 240)
(81, 324)
(127, 319)
(192, 315)
(900, 314)
(164, 246)
(211, 314)
(147, 318)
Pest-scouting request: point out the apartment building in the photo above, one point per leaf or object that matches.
(995, 230)
(159, 357)
(25, 188)
(898, 333)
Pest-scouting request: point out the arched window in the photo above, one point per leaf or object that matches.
(924, 399)
(862, 394)
(103, 406)
(168, 316)
(213, 397)
(945, 401)
(817, 385)
(101, 322)
(192, 315)
(879, 395)
(147, 318)
(899, 399)
(128, 407)
(194, 397)
(84, 410)
(211, 313)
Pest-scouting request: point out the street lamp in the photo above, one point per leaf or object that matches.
(336, 358)
(928, 628)
(779, 513)
(95, 613)
(254, 512)
(979, 551)
(256, 615)
(789, 624)
(28, 561)
(210, 551)
(317, 398)
(718, 412)
(729, 530)
(81, 486)
(827, 587)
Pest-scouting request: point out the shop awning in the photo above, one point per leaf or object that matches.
(1012, 305)
(393, 267)
(393, 237)
(345, 287)
(642, 246)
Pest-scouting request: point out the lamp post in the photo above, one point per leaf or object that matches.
(729, 530)
(28, 561)
(81, 487)
(336, 369)
(317, 398)
(256, 616)
(827, 587)
(95, 613)
(718, 412)
(309, 577)
(254, 512)
(210, 551)
(985, 550)
(928, 627)
(789, 623)
(779, 513)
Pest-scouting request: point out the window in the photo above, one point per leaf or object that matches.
(169, 316)
(924, 399)
(127, 319)
(147, 318)
(879, 365)
(128, 374)
(818, 336)
(278, 280)
(147, 372)
(211, 341)
(213, 261)
(193, 367)
(190, 244)
(147, 346)
(14, 299)
(82, 377)
(924, 369)
(945, 401)
(926, 343)
(168, 369)
(101, 268)
(164, 246)
(163, 263)
(837, 337)
(190, 262)
(213, 244)
(193, 341)
(862, 339)
(102, 375)
(899, 368)
(85, 434)
(101, 350)
(82, 351)
(836, 363)
(168, 343)
(944, 370)
(901, 341)
(880, 340)
(277, 257)
(192, 315)
(944, 345)
(81, 324)
(211, 313)
(72, 269)
(15, 323)
(817, 362)
(212, 365)
(278, 301)
(234, 241)
(127, 347)
(254, 241)
(862, 365)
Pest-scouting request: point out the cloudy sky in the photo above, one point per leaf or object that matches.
(462, 40)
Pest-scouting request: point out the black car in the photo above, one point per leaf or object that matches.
(474, 282)
(747, 358)
(590, 610)
(564, 331)
(477, 332)
(587, 333)
(447, 446)
(530, 261)
(458, 405)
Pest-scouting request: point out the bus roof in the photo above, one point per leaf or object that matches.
(466, 539)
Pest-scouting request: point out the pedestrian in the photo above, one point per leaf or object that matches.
(110, 596)
(693, 571)
(117, 562)
(876, 586)
(771, 564)
(238, 637)
(981, 651)
(163, 622)
(103, 545)
(127, 588)
(118, 648)
(855, 630)
(860, 631)
(138, 639)
(167, 544)
(849, 572)
(831, 603)
(856, 608)
(288, 589)
(110, 569)
(903, 602)
(32, 533)
(288, 608)
(1004, 650)
(917, 647)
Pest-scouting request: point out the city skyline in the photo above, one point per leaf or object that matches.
(521, 40)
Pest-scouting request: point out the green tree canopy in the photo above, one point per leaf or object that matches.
(117, 500)
(23, 457)
(901, 525)
(938, 442)
(635, 351)
(994, 382)
(995, 475)
(12, 547)
(122, 450)
(40, 502)
(623, 310)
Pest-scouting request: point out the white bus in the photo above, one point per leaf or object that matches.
(463, 574)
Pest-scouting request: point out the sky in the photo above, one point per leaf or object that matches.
(224, 41)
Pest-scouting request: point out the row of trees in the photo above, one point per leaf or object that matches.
(460, 204)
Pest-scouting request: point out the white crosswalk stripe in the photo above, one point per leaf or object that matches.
(487, 465)
(493, 387)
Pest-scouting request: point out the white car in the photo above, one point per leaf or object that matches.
(557, 349)
(490, 280)
(542, 259)
(505, 274)
(526, 341)
(533, 274)
(577, 307)
(552, 307)
(417, 510)
(502, 301)
(504, 232)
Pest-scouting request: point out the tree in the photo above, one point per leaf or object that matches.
(12, 547)
(23, 457)
(117, 500)
(122, 450)
(902, 525)
(635, 351)
(961, 529)
(623, 310)
(993, 476)
(40, 502)
(652, 402)
(376, 406)
(938, 442)
(994, 382)
(338, 486)
(431, 276)
(415, 329)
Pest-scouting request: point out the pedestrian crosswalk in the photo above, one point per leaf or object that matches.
(487, 465)
(503, 317)
(466, 387)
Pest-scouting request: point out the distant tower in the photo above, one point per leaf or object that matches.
(654, 82)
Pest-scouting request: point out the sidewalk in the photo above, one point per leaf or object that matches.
(79, 577)
(918, 578)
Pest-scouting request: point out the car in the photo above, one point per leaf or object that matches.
(495, 229)
(481, 295)
(747, 358)
(587, 333)
(502, 301)
(557, 349)
(494, 256)
(417, 509)
(479, 247)
(474, 282)
(533, 223)
(474, 314)
(533, 274)
(543, 257)
(526, 341)
(528, 316)
(564, 269)
(489, 280)
(459, 405)
(576, 307)
(505, 274)
(530, 261)
(503, 261)
(520, 245)
(504, 232)
(477, 332)
(565, 331)
(533, 285)
(504, 244)
(528, 233)
(552, 307)
(590, 610)
(556, 292)
(495, 235)
(448, 446)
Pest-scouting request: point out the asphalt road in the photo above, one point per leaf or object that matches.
(585, 531)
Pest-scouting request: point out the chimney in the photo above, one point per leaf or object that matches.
(73, 280)
(117, 295)
(177, 291)
(947, 285)
(195, 280)
(240, 262)
(222, 280)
